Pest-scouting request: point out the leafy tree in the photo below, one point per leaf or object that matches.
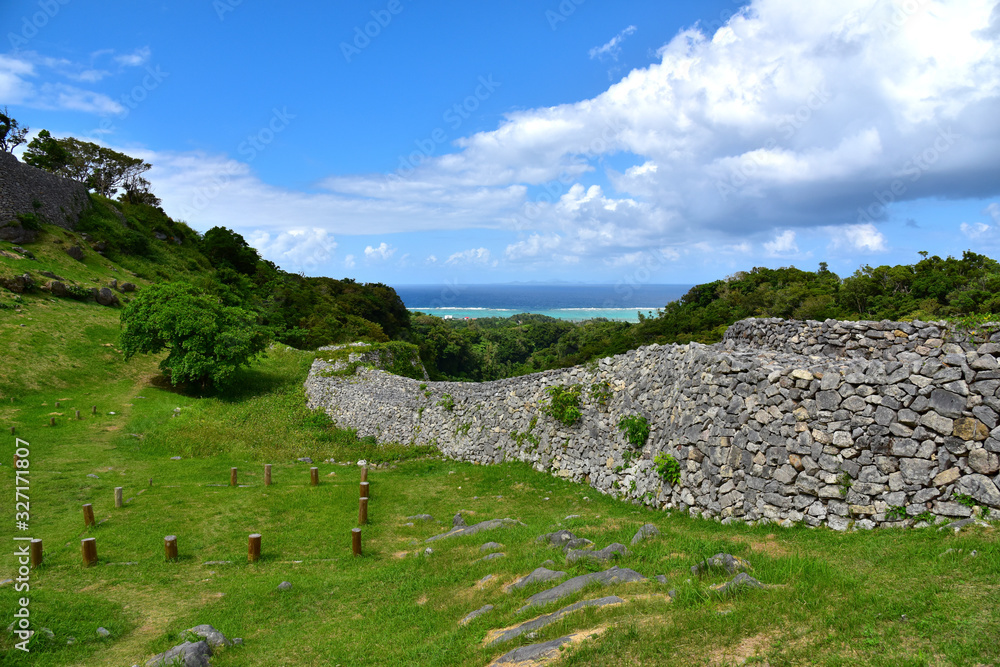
(206, 340)
(99, 168)
(224, 247)
(11, 133)
(48, 153)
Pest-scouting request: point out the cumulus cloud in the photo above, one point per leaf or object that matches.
(480, 256)
(861, 238)
(380, 253)
(349, 262)
(17, 84)
(611, 49)
(295, 249)
(134, 59)
(782, 244)
(976, 230)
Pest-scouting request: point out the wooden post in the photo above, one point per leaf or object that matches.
(151, 481)
(77, 414)
(232, 477)
(363, 512)
(93, 410)
(253, 548)
(314, 476)
(89, 549)
(88, 516)
(57, 404)
(364, 474)
(15, 460)
(12, 430)
(356, 541)
(267, 474)
(118, 496)
(52, 421)
(364, 490)
(170, 547)
(36, 553)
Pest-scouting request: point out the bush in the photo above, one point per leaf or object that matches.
(564, 406)
(207, 341)
(636, 429)
(667, 468)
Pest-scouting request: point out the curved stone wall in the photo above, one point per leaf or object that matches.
(832, 422)
(26, 189)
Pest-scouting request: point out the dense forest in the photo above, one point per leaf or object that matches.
(134, 231)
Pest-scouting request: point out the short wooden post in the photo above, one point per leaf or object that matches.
(253, 548)
(12, 430)
(118, 496)
(170, 547)
(36, 553)
(232, 477)
(364, 474)
(364, 490)
(77, 414)
(356, 541)
(57, 404)
(151, 481)
(88, 516)
(52, 421)
(88, 547)
(314, 476)
(15, 460)
(267, 474)
(93, 409)
(363, 512)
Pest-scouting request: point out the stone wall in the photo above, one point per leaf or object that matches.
(835, 422)
(60, 200)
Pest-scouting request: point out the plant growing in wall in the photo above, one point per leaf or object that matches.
(447, 402)
(564, 404)
(600, 392)
(636, 429)
(667, 468)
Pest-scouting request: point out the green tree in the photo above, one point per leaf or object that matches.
(11, 133)
(99, 168)
(46, 152)
(224, 247)
(206, 340)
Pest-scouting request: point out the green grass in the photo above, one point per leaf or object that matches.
(836, 599)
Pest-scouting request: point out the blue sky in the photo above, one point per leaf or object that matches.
(405, 141)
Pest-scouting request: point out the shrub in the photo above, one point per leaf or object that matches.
(636, 429)
(564, 404)
(667, 468)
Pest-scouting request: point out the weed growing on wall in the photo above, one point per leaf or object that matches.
(667, 468)
(446, 402)
(600, 392)
(636, 429)
(564, 405)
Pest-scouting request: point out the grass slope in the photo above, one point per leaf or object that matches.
(884, 597)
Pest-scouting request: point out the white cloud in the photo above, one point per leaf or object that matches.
(381, 253)
(976, 230)
(17, 87)
(295, 249)
(432, 259)
(861, 238)
(782, 244)
(612, 48)
(472, 256)
(993, 210)
(134, 59)
(349, 262)
(533, 246)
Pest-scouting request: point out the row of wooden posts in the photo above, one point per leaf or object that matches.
(88, 546)
(52, 420)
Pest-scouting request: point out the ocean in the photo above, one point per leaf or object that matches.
(565, 302)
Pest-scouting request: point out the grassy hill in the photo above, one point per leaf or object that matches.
(915, 597)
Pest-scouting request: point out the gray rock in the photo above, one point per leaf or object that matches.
(727, 562)
(103, 632)
(538, 575)
(458, 521)
(188, 654)
(662, 578)
(127, 287)
(578, 543)
(491, 546)
(533, 653)
(106, 297)
(548, 619)
(648, 530)
(420, 517)
(490, 524)
(285, 586)
(602, 556)
(211, 635)
(76, 252)
(610, 576)
(493, 556)
(472, 615)
(981, 488)
(558, 538)
(739, 582)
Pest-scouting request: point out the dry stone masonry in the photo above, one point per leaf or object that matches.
(25, 189)
(838, 423)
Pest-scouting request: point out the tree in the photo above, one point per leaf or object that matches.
(206, 340)
(11, 133)
(99, 168)
(224, 247)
